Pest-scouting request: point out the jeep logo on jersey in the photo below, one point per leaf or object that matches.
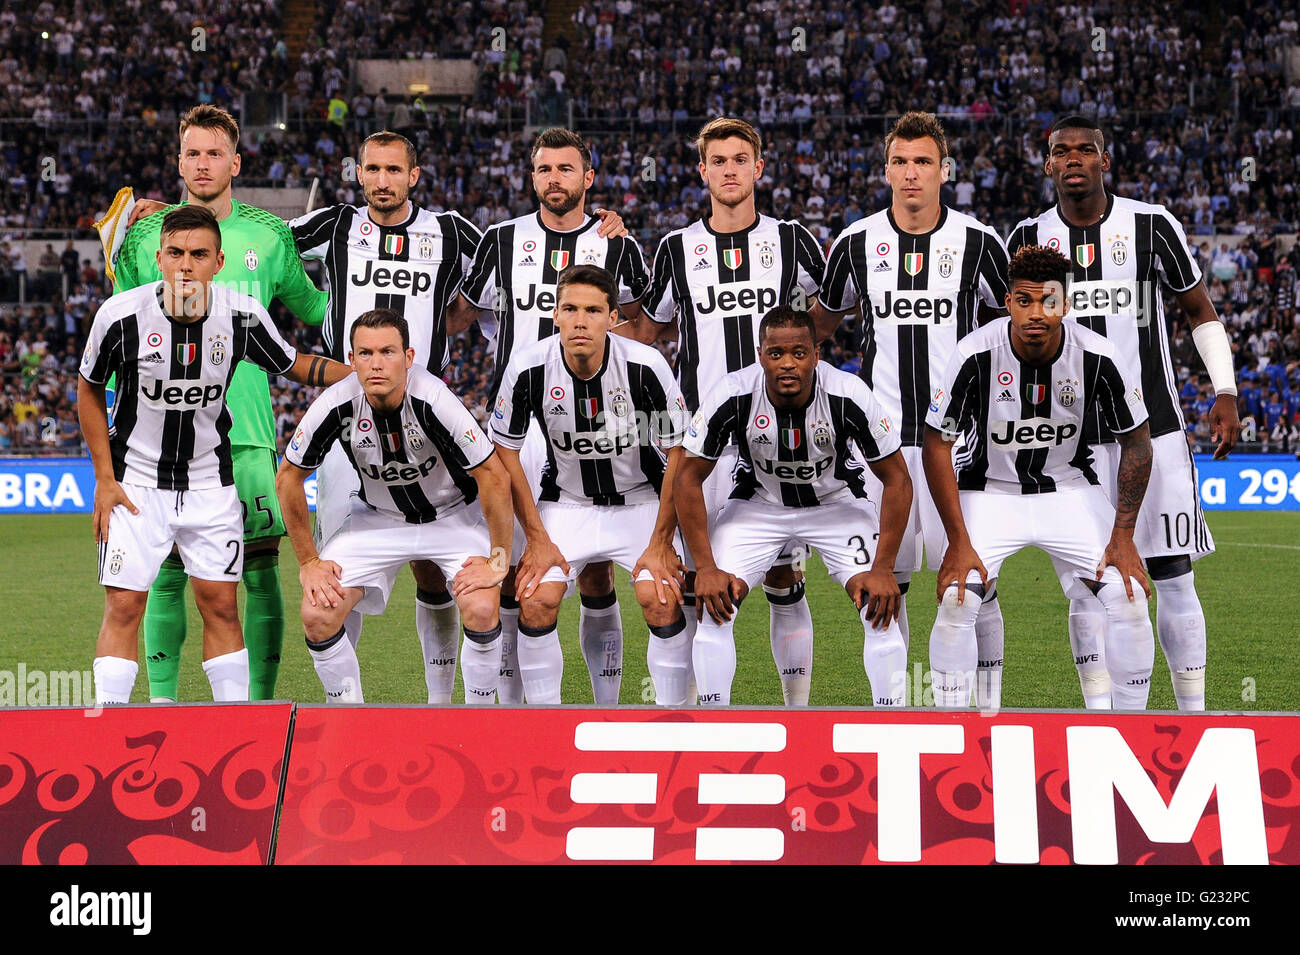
(1034, 432)
(1105, 298)
(595, 445)
(738, 297)
(394, 473)
(541, 298)
(182, 393)
(799, 473)
(414, 281)
(914, 307)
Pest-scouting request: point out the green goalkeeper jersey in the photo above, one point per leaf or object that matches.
(262, 262)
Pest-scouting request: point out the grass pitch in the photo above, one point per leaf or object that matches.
(51, 606)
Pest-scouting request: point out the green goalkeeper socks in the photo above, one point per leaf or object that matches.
(263, 624)
(164, 629)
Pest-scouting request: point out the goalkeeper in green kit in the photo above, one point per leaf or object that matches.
(261, 261)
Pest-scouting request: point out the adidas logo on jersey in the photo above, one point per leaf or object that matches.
(558, 410)
(153, 359)
(365, 442)
(1006, 396)
(883, 266)
(762, 439)
(527, 260)
(701, 265)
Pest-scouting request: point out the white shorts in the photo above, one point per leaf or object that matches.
(206, 526)
(748, 536)
(337, 486)
(586, 534)
(717, 486)
(1171, 522)
(532, 458)
(1072, 525)
(372, 547)
(924, 526)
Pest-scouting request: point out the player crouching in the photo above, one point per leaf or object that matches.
(1019, 390)
(795, 421)
(609, 409)
(422, 460)
(164, 475)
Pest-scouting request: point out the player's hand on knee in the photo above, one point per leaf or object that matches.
(717, 590)
(537, 559)
(666, 568)
(1122, 554)
(958, 562)
(320, 582)
(108, 495)
(879, 592)
(477, 573)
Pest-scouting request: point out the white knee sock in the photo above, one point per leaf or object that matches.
(790, 626)
(904, 584)
(339, 670)
(953, 654)
(688, 609)
(541, 663)
(480, 664)
(1088, 645)
(511, 687)
(600, 631)
(714, 657)
(228, 675)
(669, 659)
(114, 679)
(437, 622)
(352, 627)
(1130, 645)
(1180, 623)
(885, 658)
(989, 633)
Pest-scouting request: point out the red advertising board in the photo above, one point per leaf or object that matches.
(141, 784)
(546, 785)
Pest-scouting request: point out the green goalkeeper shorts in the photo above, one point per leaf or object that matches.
(255, 481)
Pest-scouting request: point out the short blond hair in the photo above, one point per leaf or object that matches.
(208, 116)
(725, 128)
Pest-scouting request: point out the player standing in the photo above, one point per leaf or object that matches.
(1018, 391)
(165, 472)
(421, 460)
(388, 253)
(923, 276)
(512, 293)
(610, 410)
(718, 277)
(795, 422)
(1120, 252)
(263, 263)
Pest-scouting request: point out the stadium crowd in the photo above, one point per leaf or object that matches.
(100, 94)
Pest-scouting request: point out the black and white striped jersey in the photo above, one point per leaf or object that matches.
(797, 457)
(1023, 423)
(719, 285)
(1117, 267)
(606, 436)
(517, 267)
(919, 295)
(416, 268)
(414, 462)
(171, 427)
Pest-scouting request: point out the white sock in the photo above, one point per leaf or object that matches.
(885, 659)
(790, 626)
(692, 691)
(989, 633)
(510, 689)
(437, 622)
(1130, 644)
(1088, 645)
(714, 657)
(228, 675)
(600, 631)
(953, 654)
(904, 582)
(339, 670)
(1180, 623)
(480, 665)
(541, 664)
(114, 679)
(352, 627)
(668, 656)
